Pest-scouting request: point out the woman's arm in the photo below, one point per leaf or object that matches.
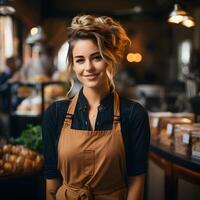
(50, 133)
(52, 186)
(136, 187)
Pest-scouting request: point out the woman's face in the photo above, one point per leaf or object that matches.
(88, 64)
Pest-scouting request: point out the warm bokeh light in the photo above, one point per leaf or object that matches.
(34, 31)
(138, 57)
(130, 57)
(188, 22)
(176, 19)
(134, 57)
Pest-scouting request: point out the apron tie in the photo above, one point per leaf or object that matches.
(83, 193)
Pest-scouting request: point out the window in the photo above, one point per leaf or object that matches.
(8, 42)
(62, 57)
(184, 53)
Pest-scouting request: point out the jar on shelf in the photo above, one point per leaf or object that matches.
(195, 144)
(183, 138)
(155, 119)
(167, 129)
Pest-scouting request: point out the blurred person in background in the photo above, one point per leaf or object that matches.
(96, 144)
(10, 73)
(40, 65)
(12, 66)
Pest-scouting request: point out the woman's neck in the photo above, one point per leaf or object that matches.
(94, 96)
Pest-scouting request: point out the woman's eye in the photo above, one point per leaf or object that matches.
(98, 58)
(79, 61)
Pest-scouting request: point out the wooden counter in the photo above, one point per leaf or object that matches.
(172, 176)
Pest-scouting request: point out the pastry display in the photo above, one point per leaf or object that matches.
(54, 91)
(31, 105)
(39, 78)
(17, 159)
(24, 91)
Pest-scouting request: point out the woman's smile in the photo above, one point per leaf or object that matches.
(91, 76)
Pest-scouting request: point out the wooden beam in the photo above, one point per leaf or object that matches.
(56, 38)
(26, 13)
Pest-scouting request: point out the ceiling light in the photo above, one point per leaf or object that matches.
(34, 31)
(137, 9)
(5, 8)
(177, 15)
(36, 34)
(188, 21)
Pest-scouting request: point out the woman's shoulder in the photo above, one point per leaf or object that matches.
(57, 109)
(132, 108)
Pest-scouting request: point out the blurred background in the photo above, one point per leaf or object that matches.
(160, 70)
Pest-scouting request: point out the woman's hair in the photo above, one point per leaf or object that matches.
(109, 36)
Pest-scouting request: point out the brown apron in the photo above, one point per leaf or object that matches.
(92, 163)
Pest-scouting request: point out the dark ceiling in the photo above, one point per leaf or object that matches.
(35, 12)
(157, 9)
(54, 15)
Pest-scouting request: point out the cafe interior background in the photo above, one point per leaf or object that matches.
(160, 70)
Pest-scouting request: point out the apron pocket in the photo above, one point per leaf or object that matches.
(88, 162)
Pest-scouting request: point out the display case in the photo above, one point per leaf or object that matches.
(28, 101)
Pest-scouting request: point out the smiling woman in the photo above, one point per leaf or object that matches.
(89, 65)
(96, 144)
(109, 37)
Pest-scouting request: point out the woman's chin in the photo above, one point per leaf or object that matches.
(91, 85)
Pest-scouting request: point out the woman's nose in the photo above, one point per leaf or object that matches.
(88, 66)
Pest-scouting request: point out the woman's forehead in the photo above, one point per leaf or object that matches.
(84, 46)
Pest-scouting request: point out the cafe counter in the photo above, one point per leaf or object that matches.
(172, 176)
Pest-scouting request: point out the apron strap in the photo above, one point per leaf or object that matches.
(72, 105)
(116, 117)
(71, 109)
(116, 107)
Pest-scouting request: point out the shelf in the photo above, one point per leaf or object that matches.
(25, 114)
(168, 154)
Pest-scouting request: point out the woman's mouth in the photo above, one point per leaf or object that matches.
(91, 76)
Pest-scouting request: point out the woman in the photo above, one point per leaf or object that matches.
(95, 145)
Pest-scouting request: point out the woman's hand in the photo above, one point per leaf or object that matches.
(136, 187)
(52, 186)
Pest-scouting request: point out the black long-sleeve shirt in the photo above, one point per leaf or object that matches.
(134, 125)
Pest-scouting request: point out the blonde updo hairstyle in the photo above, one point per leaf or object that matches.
(109, 36)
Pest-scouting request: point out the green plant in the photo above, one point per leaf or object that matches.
(31, 137)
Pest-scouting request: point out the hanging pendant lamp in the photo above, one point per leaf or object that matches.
(177, 15)
(5, 8)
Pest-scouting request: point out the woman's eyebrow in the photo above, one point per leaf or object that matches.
(93, 54)
(78, 56)
(96, 53)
